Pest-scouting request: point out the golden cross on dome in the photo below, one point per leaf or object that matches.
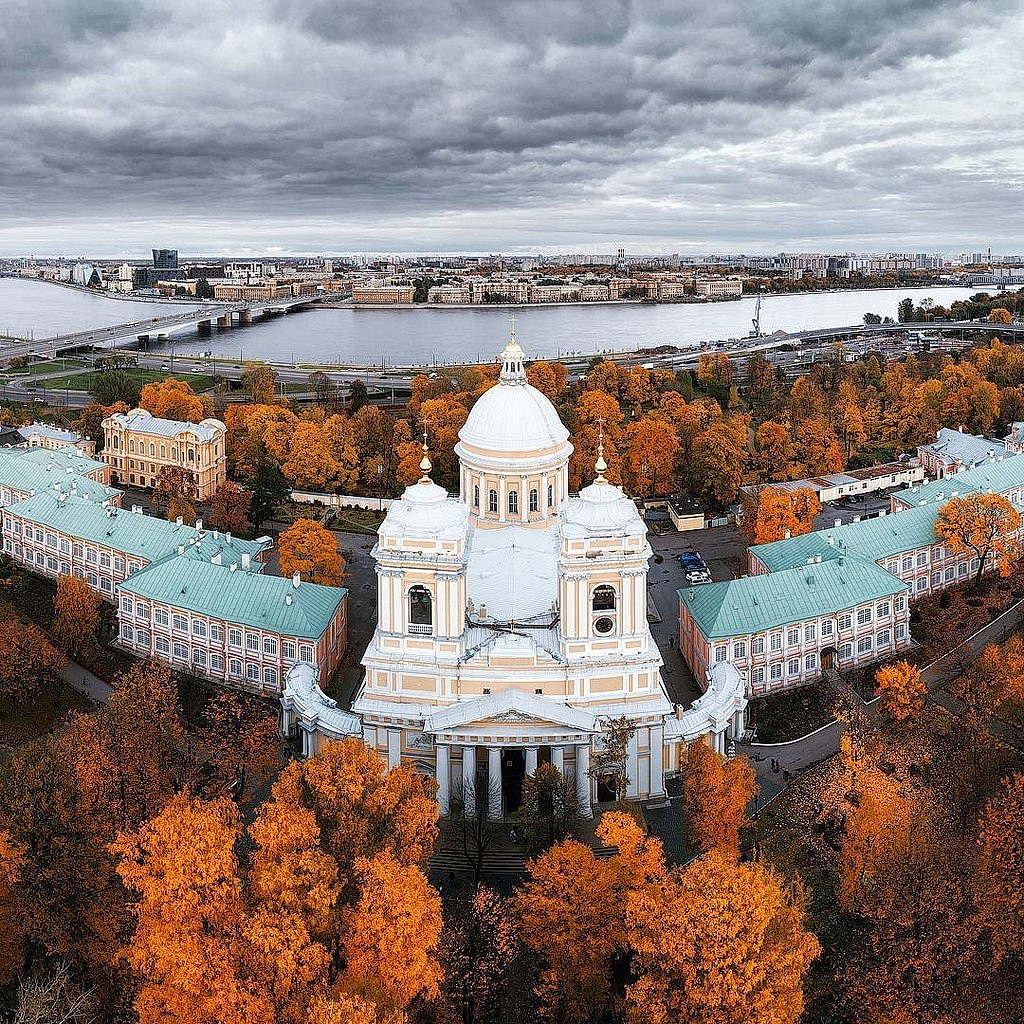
(600, 466)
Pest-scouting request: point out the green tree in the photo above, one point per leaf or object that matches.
(204, 290)
(357, 396)
(905, 311)
(269, 488)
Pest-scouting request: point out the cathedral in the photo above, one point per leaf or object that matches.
(512, 624)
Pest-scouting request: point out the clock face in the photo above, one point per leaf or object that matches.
(604, 625)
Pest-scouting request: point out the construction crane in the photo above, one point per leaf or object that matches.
(756, 330)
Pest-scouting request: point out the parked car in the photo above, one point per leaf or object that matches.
(696, 577)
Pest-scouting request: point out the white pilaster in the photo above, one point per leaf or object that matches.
(558, 758)
(657, 757)
(583, 786)
(531, 760)
(495, 797)
(443, 771)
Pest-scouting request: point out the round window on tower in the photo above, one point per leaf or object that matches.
(604, 625)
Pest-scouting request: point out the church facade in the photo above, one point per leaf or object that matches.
(512, 623)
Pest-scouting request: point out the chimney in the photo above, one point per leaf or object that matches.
(856, 519)
(287, 598)
(679, 711)
(137, 509)
(199, 525)
(837, 522)
(831, 541)
(296, 579)
(180, 521)
(788, 535)
(245, 560)
(234, 566)
(227, 536)
(181, 549)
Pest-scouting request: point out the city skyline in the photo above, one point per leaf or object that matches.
(532, 127)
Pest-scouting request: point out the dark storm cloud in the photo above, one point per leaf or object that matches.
(478, 124)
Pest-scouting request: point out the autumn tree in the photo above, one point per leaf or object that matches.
(718, 942)
(230, 508)
(572, 913)
(818, 447)
(90, 421)
(173, 399)
(239, 735)
(310, 465)
(477, 948)
(609, 762)
(29, 663)
(548, 378)
(174, 483)
(652, 448)
(189, 916)
(982, 525)
(900, 690)
(716, 792)
(260, 380)
(77, 608)
(391, 934)
(774, 514)
(999, 880)
(311, 550)
(1000, 316)
(12, 929)
(179, 507)
(718, 460)
(776, 457)
(549, 810)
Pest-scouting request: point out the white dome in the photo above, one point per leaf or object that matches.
(513, 416)
(601, 508)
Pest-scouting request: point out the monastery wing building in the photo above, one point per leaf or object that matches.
(512, 622)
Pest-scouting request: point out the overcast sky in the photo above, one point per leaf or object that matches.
(541, 125)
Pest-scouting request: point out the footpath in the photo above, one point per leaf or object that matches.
(779, 764)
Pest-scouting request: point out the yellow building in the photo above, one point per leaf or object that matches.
(138, 446)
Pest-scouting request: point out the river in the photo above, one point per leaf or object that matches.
(427, 335)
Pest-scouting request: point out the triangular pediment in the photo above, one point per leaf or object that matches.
(511, 705)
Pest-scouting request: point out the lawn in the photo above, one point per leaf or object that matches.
(83, 381)
(54, 366)
(785, 716)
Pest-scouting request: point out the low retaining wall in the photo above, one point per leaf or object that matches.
(342, 500)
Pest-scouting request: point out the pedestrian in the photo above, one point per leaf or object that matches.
(513, 835)
(671, 641)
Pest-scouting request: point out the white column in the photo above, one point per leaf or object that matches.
(286, 716)
(524, 504)
(442, 771)
(469, 780)
(531, 760)
(394, 748)
(558, 758)
(583, 778)
(495, 804)
(657, 767)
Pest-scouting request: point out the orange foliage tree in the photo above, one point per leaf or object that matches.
(776, 513)
(999, 880)
(77, 608)
(716, 792)
(29, 661)
(12, 927)
(229, 508)
(901, 690)
(260, 380)
(571, 912)
(982, 525)
(181, 508)
(548, 378)
(718, 943)
(652, 449)
(1000, 316)
(310, 465)
(175, 400)
(311, 550)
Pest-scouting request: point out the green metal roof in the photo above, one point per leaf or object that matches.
(63, 457)
(261, 602)
(870, 540)
(754, 604)
(31, 470)
(996, 477)
(139, 535)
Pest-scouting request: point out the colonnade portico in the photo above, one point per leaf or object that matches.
(471, 754)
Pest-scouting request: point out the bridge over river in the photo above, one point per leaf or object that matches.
(161, 328)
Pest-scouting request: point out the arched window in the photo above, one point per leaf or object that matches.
(492, 500)
(513, 503)
(421, 610)
(604, 599)
(551, 496)
(534, 499)
(476, 495)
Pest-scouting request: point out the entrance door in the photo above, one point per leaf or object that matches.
(513, 771)
(828, 659)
